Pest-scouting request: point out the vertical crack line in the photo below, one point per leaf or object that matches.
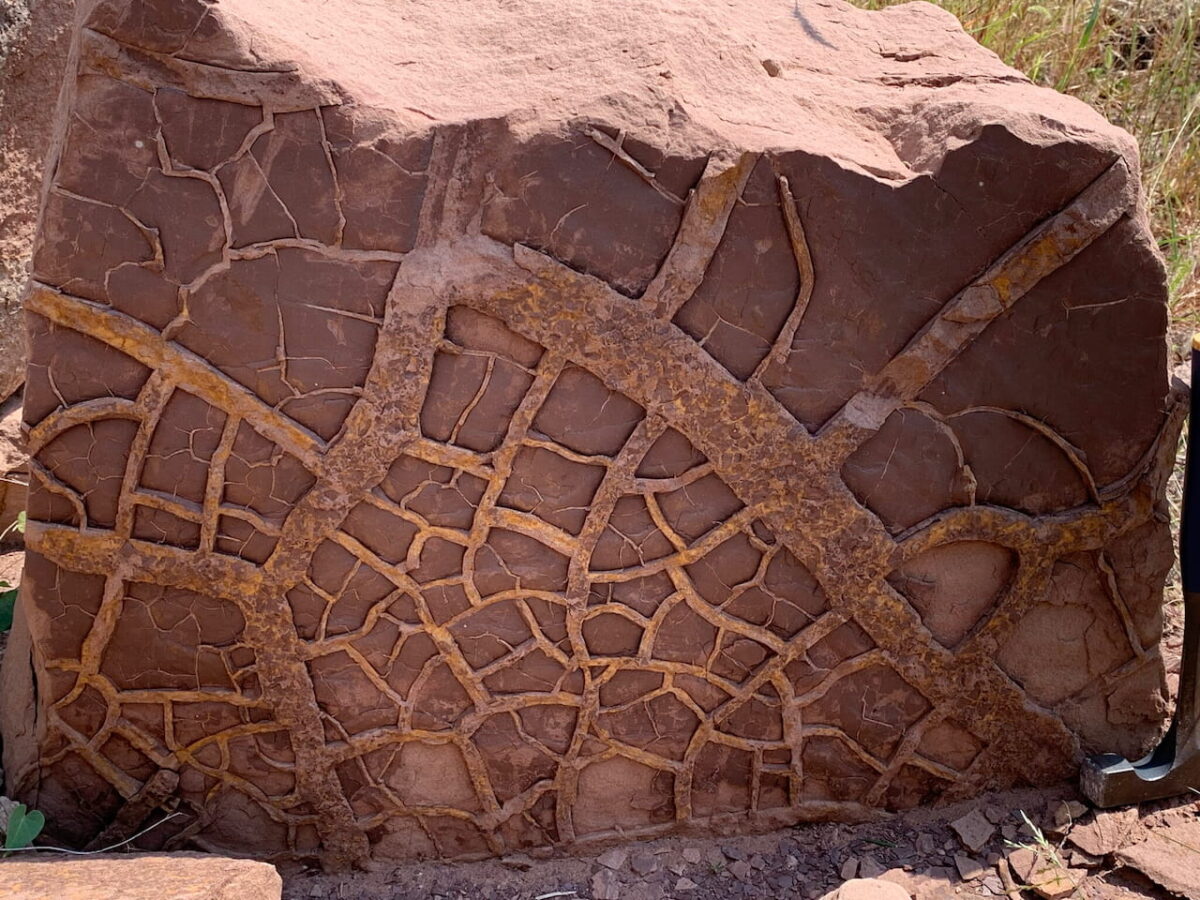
(338, 194)
(152, 401)
(1113, 590)
(705, 218)
(214, 486)
(804, 267)
(344, 473)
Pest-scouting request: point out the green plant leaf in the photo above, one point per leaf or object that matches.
(18, 525)
(8, 601)
(23, 827)
(1090, 26)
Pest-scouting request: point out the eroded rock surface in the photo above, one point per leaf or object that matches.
(570, 423)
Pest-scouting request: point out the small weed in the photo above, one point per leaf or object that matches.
(1041, 847)
(8, 592)
(23, 827)
(880, 842)
(1040, 841)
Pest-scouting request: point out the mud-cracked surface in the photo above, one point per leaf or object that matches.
(452, 489)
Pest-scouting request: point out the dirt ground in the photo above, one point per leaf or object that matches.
(919, 850)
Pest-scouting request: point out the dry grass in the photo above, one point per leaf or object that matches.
(1138, 62)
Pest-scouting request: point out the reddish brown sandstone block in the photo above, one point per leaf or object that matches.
(486, 425)
(125, 876)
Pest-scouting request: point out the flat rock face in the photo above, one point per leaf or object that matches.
(141, 876)
(463, 429)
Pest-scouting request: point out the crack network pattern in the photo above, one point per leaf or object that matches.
(380, 510)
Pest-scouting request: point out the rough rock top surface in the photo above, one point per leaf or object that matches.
(852, 84)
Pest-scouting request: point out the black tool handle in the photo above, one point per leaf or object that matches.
(1187, 704)
(1189, 526)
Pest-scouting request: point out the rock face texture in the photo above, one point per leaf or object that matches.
(34, 40)
(577, 419)
(126, 876)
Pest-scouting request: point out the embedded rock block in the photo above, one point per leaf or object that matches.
(457, 431)
(128, 876)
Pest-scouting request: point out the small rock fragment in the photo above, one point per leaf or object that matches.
(643, 863)
(1066, 813)
(867, 889)
(849, 869)
(758, 862)
(677, 867)
(740, 869)
(968, 868)
(974, 830)
(605, 885)
(869, 868)
(1108, 831)
(685, 884)
(910, 881)
(518, 861)
(773, 68)
(734, 852)
(644, 890)
(1044, 874)
(935, 884)
(614, 858)
(791, 862)
(692, 855)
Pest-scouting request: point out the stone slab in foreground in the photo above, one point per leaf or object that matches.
(1169, 857)
(512, 424)
(140, 876)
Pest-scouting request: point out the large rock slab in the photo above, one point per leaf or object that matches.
(460, 430)
(141, 876)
